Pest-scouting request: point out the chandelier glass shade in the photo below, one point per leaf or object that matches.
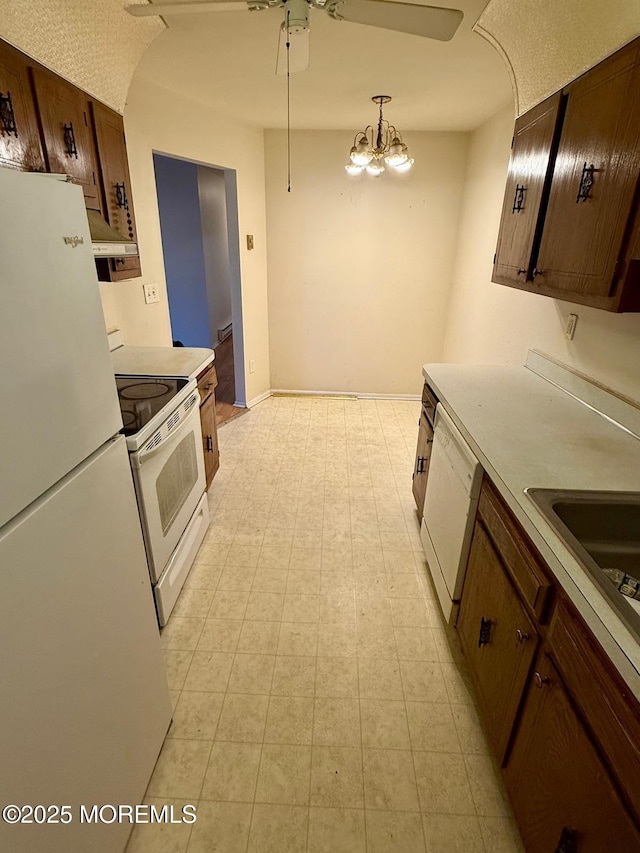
(373, 145)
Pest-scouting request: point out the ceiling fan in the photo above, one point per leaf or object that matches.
(435, 22)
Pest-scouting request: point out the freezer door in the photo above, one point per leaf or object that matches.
(59, 402)
(84, 704)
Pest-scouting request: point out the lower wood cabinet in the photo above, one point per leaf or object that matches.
(561, 793)
(563, 723)
(497, 637)
(207, 382)
(421, 466)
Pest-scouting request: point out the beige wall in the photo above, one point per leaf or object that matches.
(194, 132)
(359, 268)
(493, 324)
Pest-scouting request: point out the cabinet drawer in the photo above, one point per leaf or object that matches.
(207, 382)
(597, 689)
(523, 566)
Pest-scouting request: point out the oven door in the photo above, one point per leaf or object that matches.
(170, 480)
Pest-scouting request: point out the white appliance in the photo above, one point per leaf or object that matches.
(164, 438)
(84, 704)
(451, 500)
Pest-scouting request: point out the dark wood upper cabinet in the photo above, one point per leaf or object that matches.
(577, 234)
(529, 172)
(20, 145)
(594, 180)
(64, 123)
(116, 187)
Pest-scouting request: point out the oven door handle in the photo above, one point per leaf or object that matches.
(144, 454)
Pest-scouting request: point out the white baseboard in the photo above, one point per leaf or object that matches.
(258, 399)
(348, 395)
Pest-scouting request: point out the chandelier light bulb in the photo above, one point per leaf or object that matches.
(375, 168)
(398, 153)
(352, 169)
(404, 167)
(361, 153)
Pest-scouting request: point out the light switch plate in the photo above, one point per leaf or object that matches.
(570, 330)
(249, 241)
(151, 293)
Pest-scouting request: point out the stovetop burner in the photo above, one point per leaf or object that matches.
(141, 398)
(144, 390)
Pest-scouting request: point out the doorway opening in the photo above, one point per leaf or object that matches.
(198, 205)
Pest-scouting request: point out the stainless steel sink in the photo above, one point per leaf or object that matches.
(602, 530)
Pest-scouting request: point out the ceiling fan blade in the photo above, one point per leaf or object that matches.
(143, 10)
(298, 51)
(432, 22)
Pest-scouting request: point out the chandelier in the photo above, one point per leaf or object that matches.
(368, 151)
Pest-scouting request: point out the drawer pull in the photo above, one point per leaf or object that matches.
(485, 632)
(540, 680)
(568, 842)
(522, 636)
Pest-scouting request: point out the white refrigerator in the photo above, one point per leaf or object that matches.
(84, 704)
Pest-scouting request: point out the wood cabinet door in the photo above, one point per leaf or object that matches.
(497, 636)
(116, 184)
(209, 438)
(64, 122)
(529, 171)
(421, 465)
(594, 183)
(207, 381)
(561, 793)
(20, 145)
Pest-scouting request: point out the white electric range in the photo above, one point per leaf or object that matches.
(162, 427)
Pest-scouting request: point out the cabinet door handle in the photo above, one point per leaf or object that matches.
(536, 272)
(121, 195)
(209, 444)
(484, 637)
(586, 183)
(7, 116)
(568, 842)
(540, 680)
(522, 272)
(518, 199)
(420, 467)
(521, 636)
(70, 140)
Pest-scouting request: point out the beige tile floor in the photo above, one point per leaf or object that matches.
(320, 705)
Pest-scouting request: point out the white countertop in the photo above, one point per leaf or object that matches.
(161, 361)
(528, 432)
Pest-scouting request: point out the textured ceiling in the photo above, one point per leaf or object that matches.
(227, 61)
(547, 43)
(93, 43)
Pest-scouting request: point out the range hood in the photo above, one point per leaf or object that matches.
(106, 241)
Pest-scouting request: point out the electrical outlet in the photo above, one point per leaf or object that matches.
(570, 330)
(252, 366)
(151, 293)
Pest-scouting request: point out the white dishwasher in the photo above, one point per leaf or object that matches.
(451, 500)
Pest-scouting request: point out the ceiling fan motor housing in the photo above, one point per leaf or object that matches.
(296, 15)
